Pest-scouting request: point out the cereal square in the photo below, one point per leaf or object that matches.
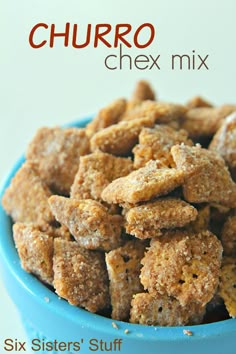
(159, 112)
(148, 220)
(119, 139)
(201, 122)
(143, 91)
(26, 199)
(107, 116)
(162, 310)
(95, 172)
(198, 101)
(89, 222)
(123, 265)
(177, 264)
(155, 144)
(207, 178)
(80, 275)
(54, 229)
(56, 152)
(227, 287)
(224, 142)
(143, 184)
(35, 249)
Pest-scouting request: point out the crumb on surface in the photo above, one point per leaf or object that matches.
(114, 325)
(187, 332)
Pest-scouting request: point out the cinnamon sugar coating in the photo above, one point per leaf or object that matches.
(177, 264)
(143, 91)
(162, 310)
(159, 112)
(54, 230)
(155, 144)
(148, 220)
(224, 141)
(119, 139)
(107, 116)
(198, 101)
(135, 180)
(89, 222)
(123, 266)
(26, 199)
(56, 152)
(207, 178)
(35, 249)
(95, 172)
(227, 287)
(143, 184)
(80, 275)
(201, 121)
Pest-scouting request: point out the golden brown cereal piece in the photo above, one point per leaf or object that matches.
(123, 265)
(143, 184)
(183, 265)
(52, 230)
(56, 152)
(107, 116)
(95, 172)
(80, 276)
(202, 220)
(119, 139)
(201, 121)
(155, 144)
(207, 178)
(225, 110)
(89, 222)
(227, 287)
(131, 104)
(159, 112)
(224, 141)
(205, 121)
(143, 91)
(26, 199)
(148, 220)
(162, 310)
(228, 237)
(35, 249)
(197, 102)
(60, 231)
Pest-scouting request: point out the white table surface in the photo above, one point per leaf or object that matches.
(55, 86)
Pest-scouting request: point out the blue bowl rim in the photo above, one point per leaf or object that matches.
(78, 316)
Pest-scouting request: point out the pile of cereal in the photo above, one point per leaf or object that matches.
(134, 216)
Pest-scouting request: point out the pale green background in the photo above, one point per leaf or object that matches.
(55, 86)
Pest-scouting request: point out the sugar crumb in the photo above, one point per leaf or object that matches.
(187, 332)
(198, 145)
(114, 325)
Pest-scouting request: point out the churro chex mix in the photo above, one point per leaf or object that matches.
(134, 216)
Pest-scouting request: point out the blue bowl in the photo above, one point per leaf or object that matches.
(47, 318)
